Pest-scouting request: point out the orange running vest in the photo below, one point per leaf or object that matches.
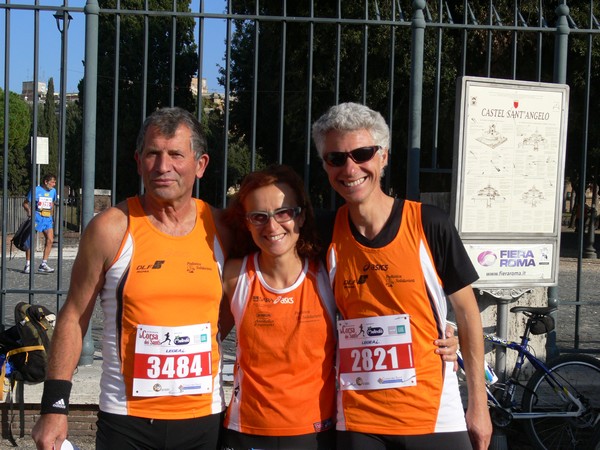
(284, 376)
(163, 280)
(399, 278)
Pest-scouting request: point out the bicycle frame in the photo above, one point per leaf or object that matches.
(513, 381)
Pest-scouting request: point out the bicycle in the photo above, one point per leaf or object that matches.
(561, 401)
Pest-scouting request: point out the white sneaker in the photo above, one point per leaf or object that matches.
(26, 269)
(45, 268)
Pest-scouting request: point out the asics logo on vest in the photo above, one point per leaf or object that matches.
(369, 266)
(284, 300)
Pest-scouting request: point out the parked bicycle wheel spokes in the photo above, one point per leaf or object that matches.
(573, 412)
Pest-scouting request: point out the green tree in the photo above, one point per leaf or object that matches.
(19, 126)
(353, 61)
(73, 145)
(238, 156)
(131, 87)
(365, 73)
(48, 126)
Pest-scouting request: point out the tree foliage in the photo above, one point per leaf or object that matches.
(19, 127)
(128, 112)
(73, 145)
(374, 74)
(48, 127)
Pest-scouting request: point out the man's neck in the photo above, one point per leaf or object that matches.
(175, 219)
(370, 217)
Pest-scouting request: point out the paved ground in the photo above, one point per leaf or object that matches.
(588, 272)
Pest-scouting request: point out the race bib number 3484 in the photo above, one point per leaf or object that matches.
(376, 353)
(172, 360)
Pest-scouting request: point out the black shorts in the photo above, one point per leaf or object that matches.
(127, 432)
(350, 440)
(234, 440)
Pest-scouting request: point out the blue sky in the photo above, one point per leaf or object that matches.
(21, 62)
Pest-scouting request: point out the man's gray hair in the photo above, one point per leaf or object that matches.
(167, 121)
(351, 117)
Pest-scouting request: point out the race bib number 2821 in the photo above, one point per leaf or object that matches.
(376, 353)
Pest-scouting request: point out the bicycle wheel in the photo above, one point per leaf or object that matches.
(580, 375)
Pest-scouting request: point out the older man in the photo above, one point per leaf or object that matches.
(155, 260)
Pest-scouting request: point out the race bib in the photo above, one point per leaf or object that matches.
(376, 353)
(172, 360)
(44, 203)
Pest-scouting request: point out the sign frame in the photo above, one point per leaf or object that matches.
(508, 178)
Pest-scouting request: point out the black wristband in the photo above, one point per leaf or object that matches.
(55, 399)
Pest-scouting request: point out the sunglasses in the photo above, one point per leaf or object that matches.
(358, 155)
(280, 215)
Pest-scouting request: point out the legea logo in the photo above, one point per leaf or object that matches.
(487, 258)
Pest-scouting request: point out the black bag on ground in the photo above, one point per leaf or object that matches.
(19, 240)
(26, 343)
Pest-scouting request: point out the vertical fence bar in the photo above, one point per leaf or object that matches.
(34, 175)
(64, 39)
(115, 115)
(336, 92)
(365, 54)
(173, 54)
(540, 38)
(5, 154)
(309, 85)
(560, 76)
(436, 91)
(254, 118)
(199, 98)
(283, 55)
(584, 150)
(488, 64)
(416, 101)
(515, 40)
(463, 68)
(92, 12)
(390, 113)
(144, 86)
(226, 122)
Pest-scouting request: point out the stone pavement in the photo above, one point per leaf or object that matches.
(86, 379)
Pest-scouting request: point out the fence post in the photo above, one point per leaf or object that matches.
(92, 12)
(561, 47)
(413, 165)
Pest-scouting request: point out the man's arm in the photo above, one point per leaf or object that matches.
(27, 207)
(230, 279)
(225, 234)
(470, 335)
(97, 249)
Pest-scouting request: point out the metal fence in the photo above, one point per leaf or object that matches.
(284, 63)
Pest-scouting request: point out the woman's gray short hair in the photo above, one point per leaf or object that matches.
(351, 117)
(168, 120)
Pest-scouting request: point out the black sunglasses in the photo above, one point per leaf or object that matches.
(358, 155)
(280, 215)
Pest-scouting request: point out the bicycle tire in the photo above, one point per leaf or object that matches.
(580, 374)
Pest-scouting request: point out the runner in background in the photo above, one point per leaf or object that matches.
(45, 197)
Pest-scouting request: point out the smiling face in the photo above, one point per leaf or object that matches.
(273, 238)
(167, 165)
(355, 182)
